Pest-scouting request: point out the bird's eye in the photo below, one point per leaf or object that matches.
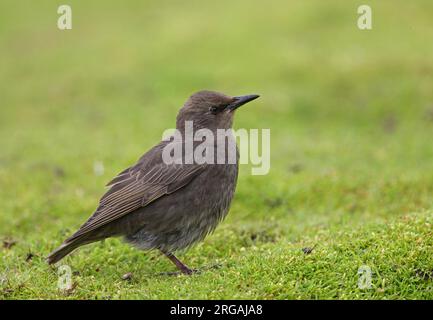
(213, 110)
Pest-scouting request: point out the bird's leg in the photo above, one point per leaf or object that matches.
(183, 268)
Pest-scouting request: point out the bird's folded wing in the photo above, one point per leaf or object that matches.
(136, 187)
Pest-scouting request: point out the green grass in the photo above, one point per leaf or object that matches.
(351, 119)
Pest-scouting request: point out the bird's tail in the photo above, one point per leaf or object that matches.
(62, 251)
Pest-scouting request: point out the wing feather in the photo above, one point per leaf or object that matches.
(136, 187)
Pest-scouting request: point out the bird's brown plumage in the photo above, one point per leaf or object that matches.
(132, 189)
(141, 201)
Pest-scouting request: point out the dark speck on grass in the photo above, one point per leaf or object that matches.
(261, 236)
(70, 290)
(8, 243)
(296, 168)
(274, 202)
(29, 256)
(7, 291)
(390, 124)
(425, 275)
(127, 276)
(59, 172)
(308, 250)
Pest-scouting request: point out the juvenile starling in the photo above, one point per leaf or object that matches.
(169, 206)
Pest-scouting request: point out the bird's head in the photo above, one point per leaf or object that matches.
(212, 110)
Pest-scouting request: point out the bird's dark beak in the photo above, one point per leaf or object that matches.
(240, 101)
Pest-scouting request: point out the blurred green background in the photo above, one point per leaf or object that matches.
(351, 119)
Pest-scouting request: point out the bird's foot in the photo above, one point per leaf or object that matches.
(182, 267)
(187, 271)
